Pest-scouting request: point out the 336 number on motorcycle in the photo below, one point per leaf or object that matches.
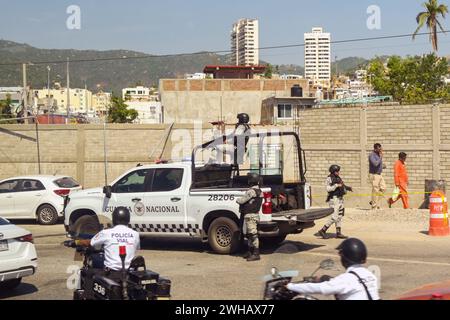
(99, 289)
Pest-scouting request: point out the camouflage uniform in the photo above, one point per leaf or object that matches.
(336, 190)
(251, 199)
(237, 142)
(336, 218)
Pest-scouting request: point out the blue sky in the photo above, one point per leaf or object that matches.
(177, 26)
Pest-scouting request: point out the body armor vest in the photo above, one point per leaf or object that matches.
(339, 192)
(253, 205)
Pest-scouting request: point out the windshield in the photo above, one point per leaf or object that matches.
(4, 222)
(282, 274)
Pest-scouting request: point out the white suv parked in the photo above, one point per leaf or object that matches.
(35, 197)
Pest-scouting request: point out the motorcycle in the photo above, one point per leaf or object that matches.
(275, 283)
(134, 283)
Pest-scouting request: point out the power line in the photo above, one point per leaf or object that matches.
(146, 56)
(415, 44)
(391, 46)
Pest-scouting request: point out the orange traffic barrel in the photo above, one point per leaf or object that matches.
(438, 215)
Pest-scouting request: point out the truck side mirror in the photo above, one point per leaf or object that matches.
(107, 190)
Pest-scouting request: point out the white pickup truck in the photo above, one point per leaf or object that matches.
(194, 200)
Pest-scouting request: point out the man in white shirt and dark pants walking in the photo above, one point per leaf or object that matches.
(376, 167)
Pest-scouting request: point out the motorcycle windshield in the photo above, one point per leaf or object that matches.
(282, 274)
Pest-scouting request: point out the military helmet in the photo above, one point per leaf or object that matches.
(253, 179)
(121, 215)
(243, 118)
(334, 168)
(353, 251)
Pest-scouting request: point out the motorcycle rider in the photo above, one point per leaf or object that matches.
(249, 206)
(119, 235)
(357, 283)
(336, 190)
(111, 239)
(237, 141)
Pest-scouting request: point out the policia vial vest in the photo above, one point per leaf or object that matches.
(339, 192)
(253, 205)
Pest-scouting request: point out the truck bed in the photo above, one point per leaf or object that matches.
(309, 215)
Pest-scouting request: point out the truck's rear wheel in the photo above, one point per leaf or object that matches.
(86, 226)
(223, 236)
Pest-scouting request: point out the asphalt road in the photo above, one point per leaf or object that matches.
(402, 252)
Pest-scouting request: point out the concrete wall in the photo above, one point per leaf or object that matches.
(344, 136)
(208, 100)
(77, 150)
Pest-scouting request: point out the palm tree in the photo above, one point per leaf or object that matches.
(430, 17)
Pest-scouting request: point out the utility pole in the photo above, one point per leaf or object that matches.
(48, 95)
(25, 92)
(68, 91)
(336, 63)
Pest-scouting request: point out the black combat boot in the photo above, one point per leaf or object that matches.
(339, 234)
(249, 252)
(323, 233)
(255, 255)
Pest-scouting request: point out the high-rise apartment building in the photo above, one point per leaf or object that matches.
(318, 56)
(245, 43)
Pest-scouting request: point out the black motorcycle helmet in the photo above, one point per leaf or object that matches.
(352, 251)
(253, 179)
(334, 168)
(121, 215)
(243, 118)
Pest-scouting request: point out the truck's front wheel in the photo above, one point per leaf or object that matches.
(86, 226)
(224, 236)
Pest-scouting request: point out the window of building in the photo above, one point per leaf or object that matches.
(284, 111)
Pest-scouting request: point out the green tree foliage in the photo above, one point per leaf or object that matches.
(410, 80)
(5, 110)
(119, 112)
(430, 18)
(269, 71)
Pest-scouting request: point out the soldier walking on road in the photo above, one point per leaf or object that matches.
(336, 190)
(249, 206)
(375, 175)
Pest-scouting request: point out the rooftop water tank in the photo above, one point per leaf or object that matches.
(296, 91)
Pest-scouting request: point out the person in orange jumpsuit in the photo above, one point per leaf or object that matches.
(401, 180)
